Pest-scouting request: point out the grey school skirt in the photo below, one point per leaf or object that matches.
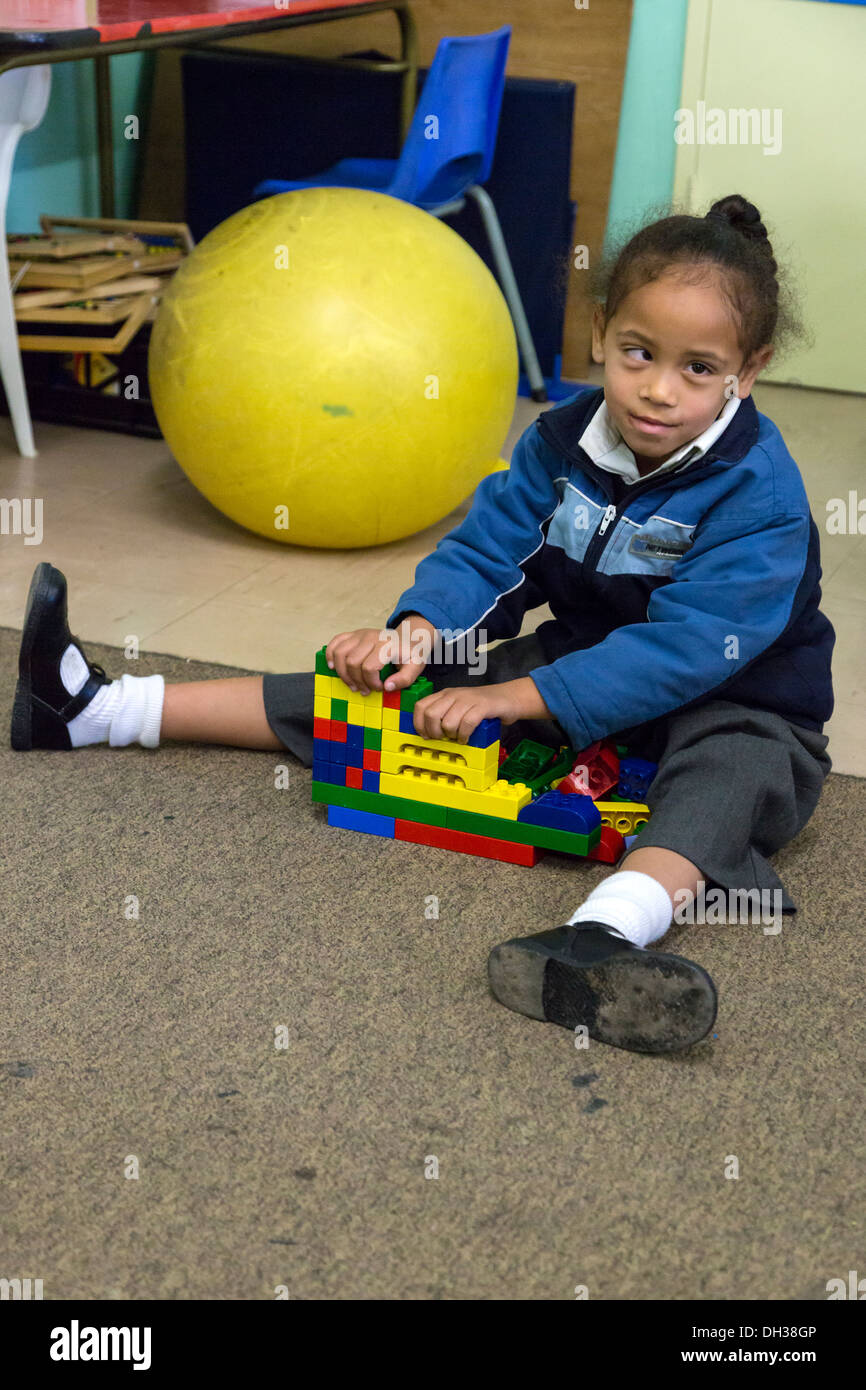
(734, 784)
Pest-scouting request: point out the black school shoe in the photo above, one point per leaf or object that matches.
(43, 706)
(630, 997)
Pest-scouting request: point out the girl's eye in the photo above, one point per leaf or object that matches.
(704, 368)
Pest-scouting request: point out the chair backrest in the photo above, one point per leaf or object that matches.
(452, 138)
(24, 94)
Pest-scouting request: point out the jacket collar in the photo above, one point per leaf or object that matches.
(563, 425)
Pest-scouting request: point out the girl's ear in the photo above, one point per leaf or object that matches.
(756, 364)
(597, 333)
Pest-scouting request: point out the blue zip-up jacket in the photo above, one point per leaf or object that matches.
(702, 583)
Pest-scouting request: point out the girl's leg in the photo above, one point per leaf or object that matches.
(229, 711)
(673, 871)
(600, 972)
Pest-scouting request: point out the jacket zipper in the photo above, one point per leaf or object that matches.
(612, 513)
(613, 510)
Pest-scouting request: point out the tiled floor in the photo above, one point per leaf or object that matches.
(146, 555)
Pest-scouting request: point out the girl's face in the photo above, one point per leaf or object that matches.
(669, 352)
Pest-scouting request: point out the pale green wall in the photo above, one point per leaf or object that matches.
(56, 167)
(643, 172)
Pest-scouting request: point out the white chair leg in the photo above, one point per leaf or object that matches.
(24, 95)
(10, 361)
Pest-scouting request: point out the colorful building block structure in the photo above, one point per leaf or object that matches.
(377, 775)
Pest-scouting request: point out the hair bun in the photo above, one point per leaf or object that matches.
(744, 217)
(740, 214)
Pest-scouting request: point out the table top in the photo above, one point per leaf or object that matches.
(32, 25)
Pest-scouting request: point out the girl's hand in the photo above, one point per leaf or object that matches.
(456, 713)
(358, 657)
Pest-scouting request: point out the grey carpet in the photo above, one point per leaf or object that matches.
(153, 1039)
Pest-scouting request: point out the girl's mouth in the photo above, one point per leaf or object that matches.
(649, 426)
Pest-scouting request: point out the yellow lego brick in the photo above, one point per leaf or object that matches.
(623, 815)
(391, 719)
(339, 691)
(354, 697)
(502, 799)
(442, 763)
(372, 716)
(333, 688)
(321, 707)
(355, 715)
(479, 759)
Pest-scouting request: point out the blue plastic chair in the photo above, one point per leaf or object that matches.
(463, 91)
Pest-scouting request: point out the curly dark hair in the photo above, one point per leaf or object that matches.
(730, 237)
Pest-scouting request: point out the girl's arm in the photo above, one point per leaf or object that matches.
(480, 578)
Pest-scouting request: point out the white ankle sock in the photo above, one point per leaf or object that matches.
(632, 902)
(124, 712)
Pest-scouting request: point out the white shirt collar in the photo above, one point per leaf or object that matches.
(607, 448)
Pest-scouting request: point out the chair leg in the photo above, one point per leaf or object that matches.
(10, 360)
(509, 289)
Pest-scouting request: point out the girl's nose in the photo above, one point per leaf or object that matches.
(660, 391)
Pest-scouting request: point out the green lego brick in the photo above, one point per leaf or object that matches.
(527, 760)
(474, 823)
(373, 739)
(621, 750)
(613, 796)
(564, 841)
(565, 761)
(415, 692)
(544, 837)
(379, 804)
(340, 709)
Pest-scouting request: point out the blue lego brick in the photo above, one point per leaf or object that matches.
(562, 811)
(339, 752)
(322, 750)
(355, 736)
(488, 731)
(369, 781)
(635, 775)
(332, 773)
(365, 821)
(407, 722)
(354, 756)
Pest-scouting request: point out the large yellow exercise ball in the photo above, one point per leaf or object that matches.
(334, 367)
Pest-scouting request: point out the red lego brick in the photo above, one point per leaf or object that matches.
(507, 851)
(610, 846)
(503, 754)
(391, 699)
(372, 760)
(354, 778)
(338, 731)
(322, 729)
(602, 772)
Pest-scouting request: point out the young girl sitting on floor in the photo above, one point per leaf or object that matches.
(667, 526)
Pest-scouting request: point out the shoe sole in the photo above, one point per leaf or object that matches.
(643, 1003)
(40, 586)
